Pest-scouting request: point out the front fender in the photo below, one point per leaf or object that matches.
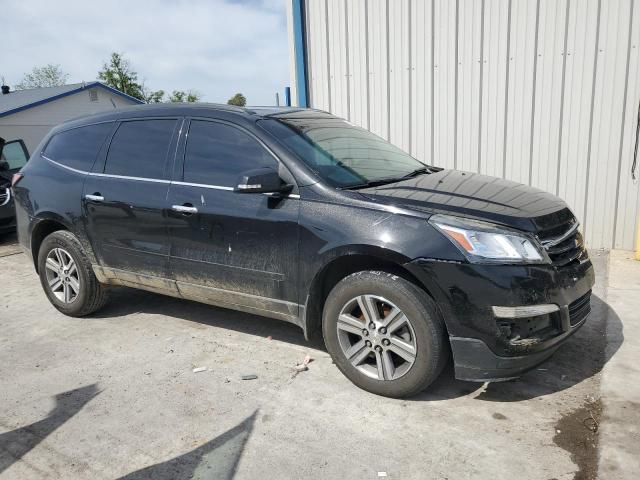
(333, 232)
(329, 231)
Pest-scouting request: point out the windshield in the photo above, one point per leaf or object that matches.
(344, 155)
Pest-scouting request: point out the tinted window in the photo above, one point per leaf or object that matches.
(342, 154)
(78, 148)
(217, 154)
(13, 156)
(139, 148)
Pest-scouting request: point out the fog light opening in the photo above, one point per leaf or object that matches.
(524, 311)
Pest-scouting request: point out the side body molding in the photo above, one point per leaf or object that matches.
(268, 307)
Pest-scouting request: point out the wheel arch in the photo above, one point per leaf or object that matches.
(45, 226)
(344, 263)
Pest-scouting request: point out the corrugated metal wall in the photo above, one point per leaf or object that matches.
(543, 92)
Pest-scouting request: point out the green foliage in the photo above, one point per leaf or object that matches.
(119, 75)
(154, 96)
(48, 76)
(179, 96)
(238, 100)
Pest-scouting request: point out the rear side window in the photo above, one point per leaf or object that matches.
(139, 148)
(78, 148)
(217, 154)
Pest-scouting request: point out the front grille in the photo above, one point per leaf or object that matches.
(5, 196)
(579, 309)
(564, 243)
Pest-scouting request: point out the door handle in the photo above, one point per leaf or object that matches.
(96, 197)
(187, 209)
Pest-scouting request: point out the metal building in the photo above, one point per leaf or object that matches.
(543, 92)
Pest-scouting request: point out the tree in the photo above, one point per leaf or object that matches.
(153, 96)
(119, 75)
(179, 96)
(238, 100)
(48, 76)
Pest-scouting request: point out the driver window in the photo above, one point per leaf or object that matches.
(216, 154)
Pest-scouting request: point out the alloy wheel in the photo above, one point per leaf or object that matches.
(376, 337)
(62, 275)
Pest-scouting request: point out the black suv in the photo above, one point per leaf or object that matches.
(298, 215)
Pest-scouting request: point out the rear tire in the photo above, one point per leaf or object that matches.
(67, 277)
(400, 352)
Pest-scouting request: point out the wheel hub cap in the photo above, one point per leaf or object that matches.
(376, 337)
(62, 275)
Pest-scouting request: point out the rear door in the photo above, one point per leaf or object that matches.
(228, 248)
(125, 200)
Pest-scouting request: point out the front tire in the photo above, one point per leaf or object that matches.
(67, 277)
(384, 333)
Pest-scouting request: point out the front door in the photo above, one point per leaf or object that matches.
(125, 201)
(232, 249)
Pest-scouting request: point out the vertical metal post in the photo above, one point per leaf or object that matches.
(300, 52)
(287, 96)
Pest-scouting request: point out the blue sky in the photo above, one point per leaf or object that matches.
(216, 47)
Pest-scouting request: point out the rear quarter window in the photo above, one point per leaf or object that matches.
(79, 147)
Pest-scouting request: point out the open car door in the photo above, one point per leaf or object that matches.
(13, 156)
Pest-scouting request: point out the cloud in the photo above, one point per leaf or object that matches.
(213, 46)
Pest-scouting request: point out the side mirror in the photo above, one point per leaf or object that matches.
(261, 180)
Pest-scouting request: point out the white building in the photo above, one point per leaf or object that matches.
(543, 92)
(30, 114)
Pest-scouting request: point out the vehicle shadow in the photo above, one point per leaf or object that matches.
(8, 238)
(9, 244)
(17, 443)
(580, 358)
(216, 459)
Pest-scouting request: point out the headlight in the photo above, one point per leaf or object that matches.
(484, 242)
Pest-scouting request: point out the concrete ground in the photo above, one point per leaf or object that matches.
(115, 396)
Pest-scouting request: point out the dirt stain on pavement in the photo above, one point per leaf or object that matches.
(577, 433)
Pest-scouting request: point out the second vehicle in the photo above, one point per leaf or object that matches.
(13, 156)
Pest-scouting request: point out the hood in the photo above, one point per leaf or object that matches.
(475, 196)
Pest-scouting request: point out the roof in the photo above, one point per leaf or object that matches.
(268, 111)
(18, 100)
(193, 109)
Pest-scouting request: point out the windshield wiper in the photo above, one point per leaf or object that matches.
(417, 171)
(372, 183)
(385, 181)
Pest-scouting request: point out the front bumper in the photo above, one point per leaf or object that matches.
(474, 362)
(484, 348)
